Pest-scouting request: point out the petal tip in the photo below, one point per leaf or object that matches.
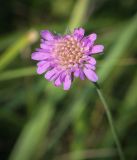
(97, 49)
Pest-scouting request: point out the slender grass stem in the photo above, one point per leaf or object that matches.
(110, 120)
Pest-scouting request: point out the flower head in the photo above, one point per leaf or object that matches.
(62, 58)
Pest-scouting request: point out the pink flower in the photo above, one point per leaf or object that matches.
(62, 58)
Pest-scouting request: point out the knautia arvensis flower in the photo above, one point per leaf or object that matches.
(63, 57)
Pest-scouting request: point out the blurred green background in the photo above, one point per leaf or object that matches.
(41, 122)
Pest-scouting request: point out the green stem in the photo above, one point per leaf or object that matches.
(110, 120)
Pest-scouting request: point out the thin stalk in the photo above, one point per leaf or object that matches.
(110, 120)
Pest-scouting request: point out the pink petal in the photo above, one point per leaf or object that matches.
(91, 75)
(97, 49)
(48, 43)
(62, 76)
(42, 67)
(81, 75)
(88, 41)
(89, 66)
(41, 63)
(79, 33)
(58, 82)
(42, 50)
(87, 48)
(55, 76)
(67, 82)
(39, 56)
(77, 73)
(91, 60)
(50, 73)
(47, 35)
(46, 47)
(92, 37)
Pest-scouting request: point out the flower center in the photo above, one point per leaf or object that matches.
(68, 52)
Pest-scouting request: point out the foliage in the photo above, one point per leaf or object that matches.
(40, 121)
